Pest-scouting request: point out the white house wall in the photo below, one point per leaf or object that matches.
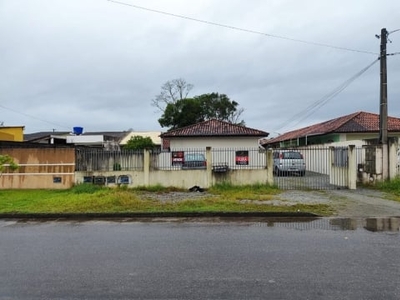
(214, 142)
(85, 139)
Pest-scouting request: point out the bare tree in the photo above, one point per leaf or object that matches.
(171, 92)
(235, 117)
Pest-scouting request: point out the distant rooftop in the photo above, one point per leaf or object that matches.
(359, 122)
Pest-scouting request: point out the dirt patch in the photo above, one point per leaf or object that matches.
(175, 197)
(347, 203)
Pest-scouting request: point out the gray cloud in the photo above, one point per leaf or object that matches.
(98, 64)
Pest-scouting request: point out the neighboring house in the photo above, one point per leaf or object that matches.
(12, 133)
(106, 139)
(360, 128)
(213, 133)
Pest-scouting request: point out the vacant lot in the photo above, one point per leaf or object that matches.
(94, 199)
(256, 198)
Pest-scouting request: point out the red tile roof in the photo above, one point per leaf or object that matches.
(214, 128)
(359, 122)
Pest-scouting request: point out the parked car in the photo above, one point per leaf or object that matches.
(194, 161)
(289, 162)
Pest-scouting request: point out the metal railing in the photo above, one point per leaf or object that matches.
(88, 159)
(228, 158)
(102, 160)
(239, 158)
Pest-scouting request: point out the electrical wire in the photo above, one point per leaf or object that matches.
(242, 29)
(33, 117)
(313, 107)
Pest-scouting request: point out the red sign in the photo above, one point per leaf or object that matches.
(177, 157)
(242, 157)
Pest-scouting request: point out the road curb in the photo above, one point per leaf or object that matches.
(160, 215)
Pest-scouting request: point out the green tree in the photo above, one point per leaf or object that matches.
(190, 111)
(220, 107)
(7, 161)
(138, 142)
(183, 113)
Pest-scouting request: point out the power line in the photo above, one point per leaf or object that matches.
(33, 117)
(242, 29)
(313, 107)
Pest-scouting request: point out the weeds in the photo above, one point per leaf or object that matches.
(157, 189)
(87, 198)
(391, 187)
(85, 188)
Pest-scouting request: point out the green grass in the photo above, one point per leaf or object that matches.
(94, 199)
(391, 187)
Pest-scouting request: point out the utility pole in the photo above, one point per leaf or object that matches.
(383, 108)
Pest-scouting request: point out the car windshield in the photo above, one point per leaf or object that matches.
(292, 155)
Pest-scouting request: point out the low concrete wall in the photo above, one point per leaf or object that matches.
(178, 178)
(242, 177)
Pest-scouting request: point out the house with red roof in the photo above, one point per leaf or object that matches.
(213, 133)
(360, 128)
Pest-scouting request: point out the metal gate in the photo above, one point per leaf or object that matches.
(316, 168)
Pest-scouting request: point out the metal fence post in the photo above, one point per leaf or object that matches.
(209, 167)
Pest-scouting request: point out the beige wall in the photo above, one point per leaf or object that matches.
(39, 167)
(154, 135)
(184, 178)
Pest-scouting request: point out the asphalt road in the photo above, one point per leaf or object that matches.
(322, 259)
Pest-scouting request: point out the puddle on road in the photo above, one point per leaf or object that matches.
(391, 224)
(387, 224)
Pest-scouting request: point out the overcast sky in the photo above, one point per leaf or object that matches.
(97, 63)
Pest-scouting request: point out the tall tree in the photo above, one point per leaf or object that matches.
(171, 92)
(190, 111)
(220, 107)
(182, 113)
